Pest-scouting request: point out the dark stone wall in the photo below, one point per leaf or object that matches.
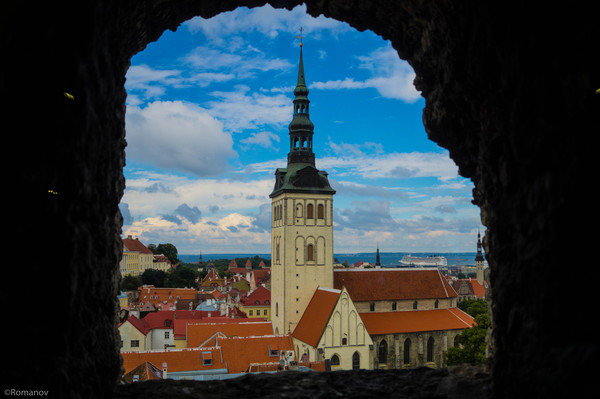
(509, 91)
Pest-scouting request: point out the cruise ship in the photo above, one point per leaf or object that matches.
(432, 260)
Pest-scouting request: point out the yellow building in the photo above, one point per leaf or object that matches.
(136, 258)
(331, 328)
(257, 305)
(302, 224)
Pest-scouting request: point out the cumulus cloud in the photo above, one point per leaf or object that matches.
(178, 136)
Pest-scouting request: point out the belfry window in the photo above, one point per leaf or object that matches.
(309, 211)
(320, 211)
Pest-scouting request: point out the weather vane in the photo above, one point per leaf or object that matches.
(300, 37)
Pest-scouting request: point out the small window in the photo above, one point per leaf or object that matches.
(206, 358)
(335, 360)
(356, 361)
(310, 253)
(344, 341)
(394, 306)
(320, 211)
(309, 211)
(372, 306)
(415, 305)
(135, 343)
(166, 335)
(251, 313)
(437, 304)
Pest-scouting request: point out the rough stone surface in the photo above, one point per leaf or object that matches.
(509, 90)
(453, 383)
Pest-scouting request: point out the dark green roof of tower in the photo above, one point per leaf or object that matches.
(301, 175)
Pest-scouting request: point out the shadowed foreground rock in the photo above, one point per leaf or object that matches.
(453, 383)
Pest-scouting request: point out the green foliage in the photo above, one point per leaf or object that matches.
(471, 341)
(154, 277)
(168, 250)
(130, 283)
(473, 307)
(181, 277)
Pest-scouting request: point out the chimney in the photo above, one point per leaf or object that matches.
(164, 375)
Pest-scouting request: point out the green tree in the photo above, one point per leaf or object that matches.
(168, 250)
(130, 283)
(154, 277)
(472, 343)
(473, 307)
(181, 277)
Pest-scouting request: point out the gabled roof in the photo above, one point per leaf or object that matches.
(393, 284)
(199, 333)
(176, 359)
(241, 352)
(145, 371)
(140, 325)
(416, 321)
(259, 297)
(133, 244)
(315, 317)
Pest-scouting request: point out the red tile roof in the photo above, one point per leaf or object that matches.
(259, 297)
(416, 321)
(393, 284)
(135, 245)
(199, 333)
(315, 317)
(141, 325)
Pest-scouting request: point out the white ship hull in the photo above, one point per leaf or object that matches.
(437, 261)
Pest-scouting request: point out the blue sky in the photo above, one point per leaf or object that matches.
(206, 125)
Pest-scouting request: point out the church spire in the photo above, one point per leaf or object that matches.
(301, 128)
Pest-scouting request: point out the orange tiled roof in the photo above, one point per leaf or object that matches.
(176, 359)
(315, 317)
(393, 284)
(241, 352)
(416, 321)
(145, 371)
(199, 333)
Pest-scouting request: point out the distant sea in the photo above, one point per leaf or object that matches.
(388, 259)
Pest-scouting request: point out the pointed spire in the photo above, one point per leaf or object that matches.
(301, 127)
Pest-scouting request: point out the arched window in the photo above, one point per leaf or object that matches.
(383, 351)
(456, 343)
(335, 360)
(320, 211)
(310, 249)
(309, 211)
(407, 351)
(430, 349)
(356, 361)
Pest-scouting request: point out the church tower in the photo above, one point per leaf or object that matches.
(302, 222)
(479, 260)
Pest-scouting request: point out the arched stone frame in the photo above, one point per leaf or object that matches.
(382, 352)
(102, 114)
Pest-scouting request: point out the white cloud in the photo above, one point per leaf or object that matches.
(391, 77)
(178, 136)
(262, 139)
(240, 110)
(267, 20)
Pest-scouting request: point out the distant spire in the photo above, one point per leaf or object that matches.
(377, 260)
